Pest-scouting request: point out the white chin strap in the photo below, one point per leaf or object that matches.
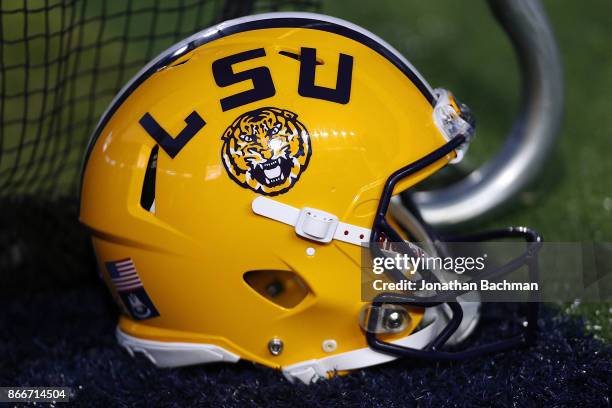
(311, 223)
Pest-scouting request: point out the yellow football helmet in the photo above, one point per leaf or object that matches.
(232, 185)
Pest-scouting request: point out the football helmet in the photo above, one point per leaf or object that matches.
(232, 185)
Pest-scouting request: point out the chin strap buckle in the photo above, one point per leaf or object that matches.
(316, 225)
(311, 223)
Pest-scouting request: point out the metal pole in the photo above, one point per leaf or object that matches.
(533, 133)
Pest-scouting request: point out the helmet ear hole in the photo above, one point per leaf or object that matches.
(283, 288)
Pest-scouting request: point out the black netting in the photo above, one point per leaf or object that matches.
(61, 63)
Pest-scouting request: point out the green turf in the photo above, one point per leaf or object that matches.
(458, 45)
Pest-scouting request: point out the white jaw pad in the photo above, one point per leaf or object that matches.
(311, 223)
(175, 354)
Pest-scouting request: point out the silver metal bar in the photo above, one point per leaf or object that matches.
(532, 135)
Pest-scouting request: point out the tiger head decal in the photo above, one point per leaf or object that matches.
(266, 150)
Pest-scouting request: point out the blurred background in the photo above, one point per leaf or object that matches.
(63, 61)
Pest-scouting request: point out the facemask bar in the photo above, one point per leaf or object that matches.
(383, 231)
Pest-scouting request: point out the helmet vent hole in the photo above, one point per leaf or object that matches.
(147, 197)
(283, 288)
(180, 62)
(176, 63)
(295, 54)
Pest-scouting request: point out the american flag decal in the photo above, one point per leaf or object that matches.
(130, 290)
(123, 275)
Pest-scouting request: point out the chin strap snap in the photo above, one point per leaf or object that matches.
(311, 223)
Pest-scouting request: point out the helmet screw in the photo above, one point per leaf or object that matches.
(329, 345)
(393, 320)
(275, 346)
